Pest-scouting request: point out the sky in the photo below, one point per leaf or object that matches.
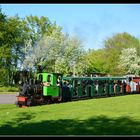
(92, 23)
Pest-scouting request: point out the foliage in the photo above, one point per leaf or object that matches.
(129, 61)
(58, 52)
(17, 38)
(26, 43)
(39, 54)
(96, 61)
(114, 46)
(71, 59)
(36, 29)
(12, 38)
(106, 60)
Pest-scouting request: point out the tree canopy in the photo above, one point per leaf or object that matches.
(106, 60)
(32, 41)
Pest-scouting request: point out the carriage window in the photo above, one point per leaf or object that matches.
(40, 78)
(49, 78)
(75, 82)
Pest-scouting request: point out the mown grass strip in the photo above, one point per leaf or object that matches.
(8, 89)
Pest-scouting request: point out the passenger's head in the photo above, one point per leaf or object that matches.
(59, 77)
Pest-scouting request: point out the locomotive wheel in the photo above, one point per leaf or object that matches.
(47, 100)
(18, 104)
(31, 101)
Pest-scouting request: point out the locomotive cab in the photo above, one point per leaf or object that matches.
(49, 83)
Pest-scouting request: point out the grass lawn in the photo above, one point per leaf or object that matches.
(105, 116)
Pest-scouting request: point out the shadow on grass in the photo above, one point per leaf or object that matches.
(93, 126)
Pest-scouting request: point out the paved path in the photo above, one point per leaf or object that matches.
(8, 98)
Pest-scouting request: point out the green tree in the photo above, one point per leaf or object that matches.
(37, 28)
(106, 59)
(3, 48)
(12, 37)
(96, 61)
(113, 47)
